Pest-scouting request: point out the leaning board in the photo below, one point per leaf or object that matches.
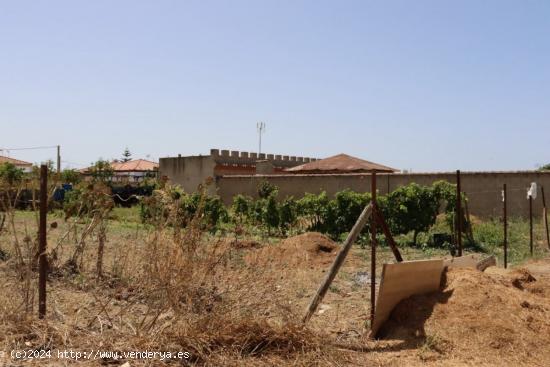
(402, 280)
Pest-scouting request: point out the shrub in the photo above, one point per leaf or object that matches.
(242, 206)
(314, 210)
(345, 209)
(412, 208)
(210, 208)
(10, 174)
(270, 217)
(266, 188)
(71, 176)
(288, 214)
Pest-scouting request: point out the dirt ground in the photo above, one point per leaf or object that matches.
(493, 318)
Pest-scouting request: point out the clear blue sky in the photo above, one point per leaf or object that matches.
(422, 85)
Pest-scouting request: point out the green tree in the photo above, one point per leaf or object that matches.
(126, 155)
(271, 212)
(102, 171)
(287, 214)
(412, 208)
(10, 174)
(266, 188)
(71, 176)
(241, 207)
(315, 211)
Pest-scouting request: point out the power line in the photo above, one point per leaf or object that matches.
(31, 148)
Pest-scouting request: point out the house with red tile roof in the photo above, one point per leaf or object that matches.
(25, 166)
(135, 170)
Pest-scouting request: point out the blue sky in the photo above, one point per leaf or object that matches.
(421, 85)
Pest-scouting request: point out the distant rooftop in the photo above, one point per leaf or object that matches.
(14, 161)
(135, 165)
(341, 163)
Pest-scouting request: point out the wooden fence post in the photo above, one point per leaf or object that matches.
(505, 220)
(373, 252)
(531, 225)
(42, 245)
(458, 213)
(545, 215)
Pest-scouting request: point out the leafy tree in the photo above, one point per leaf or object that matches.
(242, 205)
(288, 213)
(271, 212)
(71, 176)
(315, 210)
(346, 208)
(10, 174)
(257, 211)
(126, 155)
(102, 171)
(545, 167)
(210, 209)
(412, 208)
(265, 189)
(446, 196)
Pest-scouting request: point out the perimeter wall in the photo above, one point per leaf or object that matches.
(482, 188)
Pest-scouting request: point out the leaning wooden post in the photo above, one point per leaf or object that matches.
(384, 226)
(43, 260)
(373, 251)
(505, 221)
(545, 215)
(458, 213)
(352, 236)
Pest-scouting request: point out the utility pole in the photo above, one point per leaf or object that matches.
(260, 126)
(59, 159)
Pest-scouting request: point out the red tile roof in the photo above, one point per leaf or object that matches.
(341, 163)
(14, 161)
(136, 165)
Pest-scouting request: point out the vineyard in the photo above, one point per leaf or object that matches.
(180, 271)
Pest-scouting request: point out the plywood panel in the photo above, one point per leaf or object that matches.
(402, 280)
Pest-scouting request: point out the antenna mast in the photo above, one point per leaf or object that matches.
(260, 126)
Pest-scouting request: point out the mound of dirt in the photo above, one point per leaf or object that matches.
(311, 248)
(479, 316)
(243, 244)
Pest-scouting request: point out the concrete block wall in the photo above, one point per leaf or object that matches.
(188, 172)
(482, 188)
(191, 171)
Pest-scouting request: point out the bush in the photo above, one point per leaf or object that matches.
(266, 188)
(344, 211)
(173, 206)
(242, 206)
(10, 174)
(288, 214)
(314, 209)
(210, 208)
(270, 217)
(412, 208)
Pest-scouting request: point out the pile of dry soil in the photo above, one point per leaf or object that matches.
(483, 317)
(311, 248)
